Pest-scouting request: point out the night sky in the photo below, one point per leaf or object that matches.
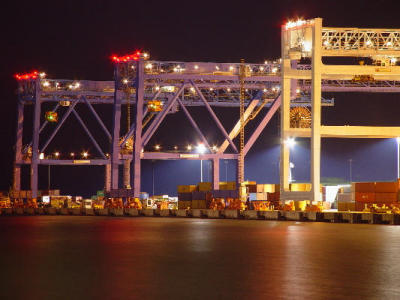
(74, 39)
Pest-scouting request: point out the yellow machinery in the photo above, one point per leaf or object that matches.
(300, 117)
(154, 106)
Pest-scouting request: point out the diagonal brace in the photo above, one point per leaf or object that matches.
(274, 107)
(65, 116)
(194, 124)
(214, 116)
(98, 118)
(89, 134)
(160, 117)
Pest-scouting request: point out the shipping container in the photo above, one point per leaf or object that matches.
(199, 195)
(386, 197)
(205, 186)
(184, 196)
(365, 197)
(365, 187)
(386, 187)
(184, 204)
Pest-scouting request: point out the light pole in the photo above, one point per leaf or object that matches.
(152, 164)
(398, 160)
(226, 170)
(350, 169)
(290, 142)
(201, 149)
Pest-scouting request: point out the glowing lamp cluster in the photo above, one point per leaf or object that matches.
(294, 24)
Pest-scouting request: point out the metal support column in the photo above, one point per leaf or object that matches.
(35, 138)
(127, 173)
(215, 173)
(316, 110)
(138, 113)
(285, 126)
(115, 149)
(18, 146)
(107, 177)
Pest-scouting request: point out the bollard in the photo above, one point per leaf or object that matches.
(116, 212)
(64, 211)
(88, 212)
(211, 213)
(181, 213)
(165, 213)
(269, 215)
(231, 213)
(39, 211)
(75, 211)
(195, 213)
(293, 215)
(8, 211)
(102, 212)
(148, 212)
(250, 214)
(314, 216)
(351, 217)
(29, 211)
(333, 217)
(18, 211)
(131, 212)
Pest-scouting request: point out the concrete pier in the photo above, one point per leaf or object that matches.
(327, 216)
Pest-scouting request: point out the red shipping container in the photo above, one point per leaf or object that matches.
(386, 187)
(365, 187)
(365, 197)
(385, 197)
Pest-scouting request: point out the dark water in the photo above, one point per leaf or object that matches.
(68, 257)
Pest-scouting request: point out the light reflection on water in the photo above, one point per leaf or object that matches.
(152, 258)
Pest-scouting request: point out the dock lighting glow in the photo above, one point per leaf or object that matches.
(46, 83)
(192, 89)
(26, 76)
(326, 43)
(297, 91)
(189, 147)
(231, 68)
(125, 81)
(41, 155)
(72, 154)
(57, 154)
(274, 70)
(42, 74)
(261, 69)
(145, 55)
(215, 148)
(216, 67)
(149, 66)
(85, 154)
(211, 89)
(157, 147)
(290, 142)
(228, 89)
(201, 148)
(294, 24)
(264, 90)
(196, 67)
(175, 147)
(307, 46)
(157, 88)
(393, 60)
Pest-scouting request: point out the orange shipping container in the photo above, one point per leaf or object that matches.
(387, 187)
(365, 197)
(385, 197)
(365, 187)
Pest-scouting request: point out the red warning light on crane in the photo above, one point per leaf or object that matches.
(27, 76)
(130, 57)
